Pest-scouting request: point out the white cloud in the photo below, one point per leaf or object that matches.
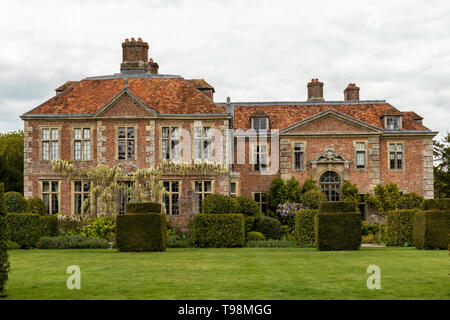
(249, 50)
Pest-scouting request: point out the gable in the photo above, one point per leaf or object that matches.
(125, 106)
(329, 122)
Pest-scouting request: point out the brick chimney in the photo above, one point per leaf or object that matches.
(315, 90)
(351, 93)
(134, 55)
(153, 66)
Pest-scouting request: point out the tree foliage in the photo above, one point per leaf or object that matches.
(350, 192)
(442, 167)
(11, 160)
(386, 198)
(281, 192)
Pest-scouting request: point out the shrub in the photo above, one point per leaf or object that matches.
(286, 213)
(4, 262)
(409, 201)
(281, 192)
(369, 238)
(369, 228)
(400, 227)
(72, 242)
(337, 231)
(69, 224)
(101, 227)
(143, 207)
(304, 228)
(308, 185)
(36, 205)
(249, 223)
(219, 204)
(312, 199)
(269, 227)
(141, 232)
(27, 228)
(350, 193)
(271, 243)
(255, 236)
(337, 207)
(247, 206)
(436, 204)
(431, 229)
(15, 202)
(11, 245)
(218, 231)
(175, 241)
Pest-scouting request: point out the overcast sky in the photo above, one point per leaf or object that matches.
(249, 50)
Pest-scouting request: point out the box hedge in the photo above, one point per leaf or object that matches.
(337, 206)
(304, 228)
(27, 228)
(269, 227)
(219, 204)
(219, 230)
(337, 231)
(431, 229)
(4, 262)
(400, 225)
(143, 207)
(436, 204)
(141, 232)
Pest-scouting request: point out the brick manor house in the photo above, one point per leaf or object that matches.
(138, 118)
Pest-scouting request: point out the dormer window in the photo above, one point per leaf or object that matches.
(393, 123)
(260, 124)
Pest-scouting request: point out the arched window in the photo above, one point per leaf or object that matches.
(330, 185)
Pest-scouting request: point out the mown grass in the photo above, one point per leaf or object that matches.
(245, 273)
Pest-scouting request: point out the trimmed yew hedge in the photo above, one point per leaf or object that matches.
(219, 230)
(337, 207)
(400, 226)
(337, 231)
(4, 263)
(304, 228)
(436, 204)
(143, 207)
(27, 228)
(141, 232)
(431, 229)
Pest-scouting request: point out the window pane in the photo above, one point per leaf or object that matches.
(167, 204)
(165, 132)
(78, 203)
(207, 186)
(55, 150)
(45, 151)
(54, 186)
(46, 134)
(165, 149)
(263, 124)
(360, 159)
(392, 147)
(121, 149)
(87, 133)
(55, 134)
(45, 186)
(77, 153)
(233, 187)
(360, 146)
(55, 204)
(131, 149)
(198, 149)
(256, 124)
(86, 186)
(77, 185)
(197, 132)
(174, 133)
(166, 185)
(77, 133)
(121, 132)
(298, 160)
(46, 199)
(257, 197)
(175, 209)
(198, 186)
(298, 146)
(399, 147)
(207, 132)
(130, 133)
(207, 149)
(175, 149)
(87, 150)
(175, 186)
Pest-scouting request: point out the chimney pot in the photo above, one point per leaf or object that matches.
(153, 66)
(351, 93)
(315, 90)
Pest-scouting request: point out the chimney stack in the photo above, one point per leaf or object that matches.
(153, 66)
(351, 93)
(315, 90)
(134, 55)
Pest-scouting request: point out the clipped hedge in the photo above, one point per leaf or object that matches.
(436, 204)
(337, 207)
(269, 227)
(431, 229)
(143, 207)
(255, 236)
(72, 242)
(219, 230)
(247, 206)
(337, 231)
(219, 204)
(400, 225)
(15, 202)
(36, 205)
(304, 228)
(141, 232)
(4, 262)
(27, 228)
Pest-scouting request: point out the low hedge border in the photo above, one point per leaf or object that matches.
(141, 232)
(219, 230)
(431, 229)
(337, 231)
(72, 242)
(304, 228)
(400, 225)
(337, 207)
(143, 207)
(27, 228)
(436, 204)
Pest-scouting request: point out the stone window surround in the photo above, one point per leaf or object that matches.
(238, 191)
(388, 155)
(72, 191)
(400, 124)
(252, 160)
(366, 149)
(72, 142)
(195, 193)
(41, 189)
(260, 203)
(170, 193)
(293, 142)
(116, 141)
(180, 139)
(50, 127)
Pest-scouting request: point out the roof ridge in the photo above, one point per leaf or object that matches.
(294, 103)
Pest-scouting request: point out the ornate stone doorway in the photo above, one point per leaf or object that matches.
(330, 184)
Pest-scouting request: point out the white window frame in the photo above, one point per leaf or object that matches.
(258, 120)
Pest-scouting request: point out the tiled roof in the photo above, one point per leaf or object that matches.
(200, 84)
(166, 95)
(283, 115)
(65, 86)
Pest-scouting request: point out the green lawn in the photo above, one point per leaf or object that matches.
(247, 273)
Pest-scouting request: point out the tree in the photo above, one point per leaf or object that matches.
(309, 184)
(281, 192)
(350, 192)
(441, 153)
(11, 160)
